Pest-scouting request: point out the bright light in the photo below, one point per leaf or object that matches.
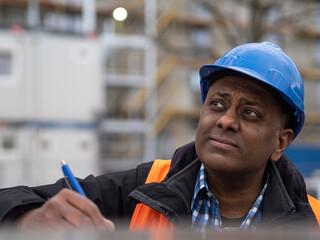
(120, 14)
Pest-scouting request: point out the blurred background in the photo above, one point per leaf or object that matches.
(109, 84)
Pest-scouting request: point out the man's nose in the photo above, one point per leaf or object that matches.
(229, 120)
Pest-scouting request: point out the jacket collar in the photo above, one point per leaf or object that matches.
(172, 197)
(286, 200)
(277, 202)
(285, 195)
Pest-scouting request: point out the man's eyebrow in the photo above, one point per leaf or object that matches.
(219, 93)
(250, 102)
(243, 100)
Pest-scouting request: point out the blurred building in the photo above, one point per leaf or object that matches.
(106, 95)
(50, 92)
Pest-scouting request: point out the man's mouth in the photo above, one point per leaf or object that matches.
(224, 143)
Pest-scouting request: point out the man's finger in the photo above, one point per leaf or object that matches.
(61, 225)
(88, 208)
(76, 217)
(110, 225)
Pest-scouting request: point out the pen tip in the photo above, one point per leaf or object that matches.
(63, 162)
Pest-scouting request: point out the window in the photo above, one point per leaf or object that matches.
(8, 142)
(195, 81)
(316, 53)
(125, 61)
(120, 146)
(5, 63)
(316, 15)
(317, 96)
(202, 37)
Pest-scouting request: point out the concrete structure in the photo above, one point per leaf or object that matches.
(49, 97)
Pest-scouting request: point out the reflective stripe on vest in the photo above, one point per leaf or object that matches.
(145, 217)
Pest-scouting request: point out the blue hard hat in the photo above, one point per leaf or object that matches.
(267, 63)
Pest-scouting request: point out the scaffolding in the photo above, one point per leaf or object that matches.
(150, 61)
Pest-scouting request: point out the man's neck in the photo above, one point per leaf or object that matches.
(235, 195)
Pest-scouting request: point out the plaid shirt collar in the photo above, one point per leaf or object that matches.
(205, 207)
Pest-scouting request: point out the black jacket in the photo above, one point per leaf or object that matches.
(116, 194)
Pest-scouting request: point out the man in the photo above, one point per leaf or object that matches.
(235, 175)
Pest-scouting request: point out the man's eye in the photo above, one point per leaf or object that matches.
(216, 104)
(251, 113)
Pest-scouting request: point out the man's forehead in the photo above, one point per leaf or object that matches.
(229, 83)
(251, 90)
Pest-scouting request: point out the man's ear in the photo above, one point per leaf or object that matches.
(285, 137)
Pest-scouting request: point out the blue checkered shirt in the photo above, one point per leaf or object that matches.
(205, 208)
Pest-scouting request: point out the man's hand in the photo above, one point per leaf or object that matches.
(66, 210)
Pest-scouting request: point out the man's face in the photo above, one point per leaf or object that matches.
(239, 127)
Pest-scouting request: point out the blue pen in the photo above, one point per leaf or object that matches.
(71, 180)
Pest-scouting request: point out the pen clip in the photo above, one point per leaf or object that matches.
(68, 183)
(71, 181)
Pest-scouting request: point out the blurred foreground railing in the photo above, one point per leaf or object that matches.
(11, 234)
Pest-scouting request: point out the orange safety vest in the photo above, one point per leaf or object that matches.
(145, 217)
(315, 205)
